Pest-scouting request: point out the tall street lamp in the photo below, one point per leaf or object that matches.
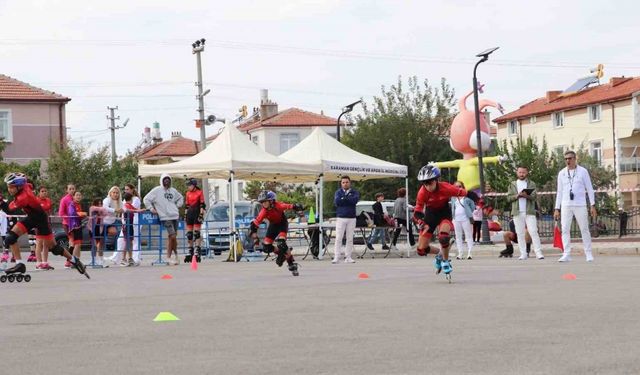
(197, 48)
(484, 56)
(345, 110)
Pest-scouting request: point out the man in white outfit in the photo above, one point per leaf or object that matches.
(522, 194)
(345, 200)
(574, 183)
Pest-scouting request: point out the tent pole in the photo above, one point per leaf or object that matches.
(232, 226)
(406, 187)
(321, 217)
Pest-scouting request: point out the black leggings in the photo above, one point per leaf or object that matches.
(477, 226)
(403, 223)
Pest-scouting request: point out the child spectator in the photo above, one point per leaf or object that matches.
(75, 214)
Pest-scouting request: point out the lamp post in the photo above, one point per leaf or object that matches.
(197, 48)
(484, 56)
(345, 110)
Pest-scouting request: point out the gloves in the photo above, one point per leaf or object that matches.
(254, 228)
(298, 207)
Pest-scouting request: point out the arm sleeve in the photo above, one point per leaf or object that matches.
(558, 192)
(589, 186)
(62, 210)
(513, 192)
(534, 194)
(105, 204)
(149, 199)
(260, 217)
(179, 199)
(353, 197)
(285, 206)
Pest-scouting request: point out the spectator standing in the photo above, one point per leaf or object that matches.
(379, 232)
(462, 213)
(400, 214)
(127, 229)
(522, 195)
(624, 217)
(164, 200)
(42, 251)
(137, 204)
(477, 223)
(64, 205)
(345, 200)
(96, 213)
(75, 215)
(111, 222)
(574, 185)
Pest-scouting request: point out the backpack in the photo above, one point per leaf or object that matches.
(365, 219)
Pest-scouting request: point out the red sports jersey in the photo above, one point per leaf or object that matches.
(194, 198)
(438, 199)
(45, 203)
(27, 201)
(275, 214)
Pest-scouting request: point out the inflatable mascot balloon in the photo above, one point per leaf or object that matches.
(463, 138)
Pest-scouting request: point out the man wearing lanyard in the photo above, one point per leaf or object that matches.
(574, 183)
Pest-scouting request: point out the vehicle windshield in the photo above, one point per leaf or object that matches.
(220, 212)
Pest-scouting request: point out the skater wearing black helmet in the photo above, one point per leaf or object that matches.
(36, 218)
(432, 212)
(194, 214)
(277, 229)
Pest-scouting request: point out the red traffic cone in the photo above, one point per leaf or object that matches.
(194, 264)
(557, 238)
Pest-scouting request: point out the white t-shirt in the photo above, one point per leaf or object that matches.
(3, 224)
(461, 215)
(522, 202)
(577, 181)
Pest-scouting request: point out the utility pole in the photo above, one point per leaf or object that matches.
(113, 129)
(198, 47)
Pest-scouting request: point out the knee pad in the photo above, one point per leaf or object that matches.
(57, 250)
(190, 235)
(282, 245)
(444, 239)
(196, 234)
(423, 252)
(10, 239)
(267, 248)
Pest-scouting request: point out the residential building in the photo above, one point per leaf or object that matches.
(175, 149)
(32, 120)
(603, 118)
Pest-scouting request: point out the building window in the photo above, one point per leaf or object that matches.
(254, 139)
(513, 127)
(6, 131)
(558, 120)
(559, 150)
(595, 149)
(288, 140)
(594, 113)
(533, 120)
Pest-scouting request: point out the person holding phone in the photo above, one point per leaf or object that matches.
(522, 195)
(574, 185)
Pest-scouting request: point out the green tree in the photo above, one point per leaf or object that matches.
(543, 168)
(32, 170)
(409, 125)
(290, 193)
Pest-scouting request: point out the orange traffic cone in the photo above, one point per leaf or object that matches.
(194, 264)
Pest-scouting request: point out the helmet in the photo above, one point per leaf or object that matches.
(16, 179)
(192, 182)
(428, 172)
(266, 195)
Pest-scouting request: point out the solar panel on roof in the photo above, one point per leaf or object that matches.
(581, 84)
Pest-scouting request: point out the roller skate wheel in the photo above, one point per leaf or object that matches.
(3, 278)
(27, 278)
(11, 278)
(19, 278)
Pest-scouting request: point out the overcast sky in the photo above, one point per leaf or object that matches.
(314, 55)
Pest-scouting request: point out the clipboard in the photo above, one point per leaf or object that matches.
(528, 191)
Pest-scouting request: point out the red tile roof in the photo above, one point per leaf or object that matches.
(13, 90)
(290, 117)
(617, 89)
(176, 146)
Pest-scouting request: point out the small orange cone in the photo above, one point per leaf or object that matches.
(363, 275)
(194, 264)
(166, 277)
(569, 276)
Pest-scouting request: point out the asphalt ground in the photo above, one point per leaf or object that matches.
(498, 316)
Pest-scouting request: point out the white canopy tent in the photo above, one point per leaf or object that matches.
(331, 160)
(232, 155)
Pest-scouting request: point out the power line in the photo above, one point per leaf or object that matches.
(315, 52)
